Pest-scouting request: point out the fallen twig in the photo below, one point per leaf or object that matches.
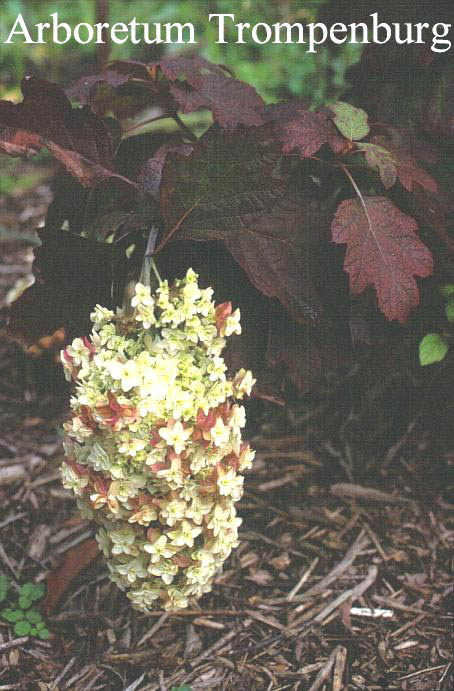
(421, 671)
(395, 604)
(218, 644)
(339, 667)
(350, 594)
(356, 548)
(14, 643)
(302, 580)
(65, 670)
(351, 491)
(324, 673)
(157, 625)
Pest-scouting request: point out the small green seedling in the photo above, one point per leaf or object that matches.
(27, 620)
(434, 346)
(184, 687)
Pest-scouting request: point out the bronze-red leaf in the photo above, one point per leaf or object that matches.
(76, 137)
(383, 250)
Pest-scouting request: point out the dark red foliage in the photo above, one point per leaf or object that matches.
(249, 204)
(394, 161)
(198, 83)
(149, 177)
(72, 274)
(76, 137)
(384, 250)
(172, 83)
(304, 132)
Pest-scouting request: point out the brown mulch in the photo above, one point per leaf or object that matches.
(343, 579)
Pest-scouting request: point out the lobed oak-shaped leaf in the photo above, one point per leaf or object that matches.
(76, 137)
(278, 252)
(191, 68)
(383, 250)
(227, 178)
(396, 162)
(381, 158)
(302, 130)
(81, 90)
(187, 84)
(231, 102)
(226, 189)
(198, 83)
(126, 89)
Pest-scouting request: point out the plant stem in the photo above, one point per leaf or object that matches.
(148, 260)
(155, 270)
(184, 127)
(147, 122)
(357, 190)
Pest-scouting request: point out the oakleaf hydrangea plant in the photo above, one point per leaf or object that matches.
(154, 450)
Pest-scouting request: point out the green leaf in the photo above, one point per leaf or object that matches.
(350, 121)
(43, 634)
(447, 290)
(31, 591)
(22, 628)
(449, 309)
(432, 348)
(37, 592)
(184, 687)
(33, 616)
(395, 160)
(40, 625)
(25, 602)
(33, 631)
(381, 158)
(12, 615)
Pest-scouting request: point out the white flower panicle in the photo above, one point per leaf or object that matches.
(153, 447)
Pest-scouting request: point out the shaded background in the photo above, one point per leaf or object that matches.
(277, 71)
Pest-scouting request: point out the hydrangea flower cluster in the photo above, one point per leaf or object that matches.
(153, 447)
